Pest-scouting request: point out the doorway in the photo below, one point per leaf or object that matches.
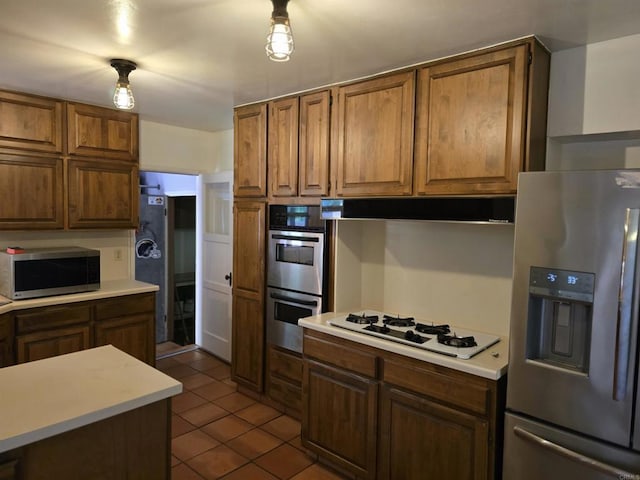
(165, 255)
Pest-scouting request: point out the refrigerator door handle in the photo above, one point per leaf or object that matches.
(571, 455)
(625, 298)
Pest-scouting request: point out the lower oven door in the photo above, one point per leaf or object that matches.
(284, 308)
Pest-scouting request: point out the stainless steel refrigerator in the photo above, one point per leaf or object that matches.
(573, 401)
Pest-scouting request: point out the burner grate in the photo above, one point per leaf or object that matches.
(458, 342)
(398, 321)
(433, 329)
(356, 318)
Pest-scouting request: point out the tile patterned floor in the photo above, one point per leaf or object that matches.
(219, 433)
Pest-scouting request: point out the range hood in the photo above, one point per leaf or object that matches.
(500, 210)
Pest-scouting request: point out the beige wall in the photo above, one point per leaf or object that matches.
(165, 148)
(442, 272)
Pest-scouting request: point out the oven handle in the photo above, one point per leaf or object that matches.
(307, 303)
(625, 307)
(279, 236)
(571, 455)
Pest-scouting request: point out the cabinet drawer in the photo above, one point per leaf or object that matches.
(127, 305)
(450, 387)
(285, 365)
(285, 393)
(52, 317)
(340, 355)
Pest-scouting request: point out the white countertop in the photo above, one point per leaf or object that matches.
(47, 397)
(111, 288)
(491, 364)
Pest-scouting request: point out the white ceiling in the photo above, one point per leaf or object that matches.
(199, 58)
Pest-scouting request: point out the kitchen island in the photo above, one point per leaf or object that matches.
(379, 409)
(96, 413)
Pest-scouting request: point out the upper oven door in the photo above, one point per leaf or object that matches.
(296, 261)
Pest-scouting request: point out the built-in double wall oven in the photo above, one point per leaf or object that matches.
(296, 271)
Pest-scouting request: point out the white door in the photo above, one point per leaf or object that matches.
(213, 330)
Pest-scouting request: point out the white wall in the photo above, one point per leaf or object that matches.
(442, 272)
(165, 148)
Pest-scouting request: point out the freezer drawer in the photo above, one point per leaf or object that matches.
(535, 451)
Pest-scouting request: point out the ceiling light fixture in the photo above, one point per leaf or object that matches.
(280, 39)
(123, 96)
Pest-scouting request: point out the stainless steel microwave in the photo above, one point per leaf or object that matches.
(41, 272)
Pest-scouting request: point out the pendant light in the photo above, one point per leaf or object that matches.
(280, 39)
(123, 96)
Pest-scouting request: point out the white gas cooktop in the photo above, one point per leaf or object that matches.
(460, 342)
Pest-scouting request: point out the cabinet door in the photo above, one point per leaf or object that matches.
(375, 136)
(339, 417)
(33, 191)
(283, 148)
(30, 122)
(6, 340)
(470, 124)
(250, 151)
(49, 343)
(247, 358)
(102, 132)
(133, 334)
(423, 439)
(102, 194)
(313, 146)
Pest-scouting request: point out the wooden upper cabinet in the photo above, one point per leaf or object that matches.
(29, 122)
(375, 136)
(470, 123)
(32, 188)
(249, 236)
(283, 148)
(313, 147)
(101, 132)
(250, 151)
(102, 194)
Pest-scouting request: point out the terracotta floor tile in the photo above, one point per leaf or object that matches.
(191, 444)
(179, 426)
(283, 427)
(254, 443)
(234, 401)
(204, 414)
(207, 363)
(175, 461)
(186, 401)
(164, 363)
(195, 381)
(258, 413)
(284, 462)
(217, 462)
(317, 472)
(227, 428)
(297, 442)
(180, 371)
(183, 472)
(191, 356)
(214, 390)
(249, 472)
(219, 373)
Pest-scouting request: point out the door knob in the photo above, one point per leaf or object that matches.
(228, 278)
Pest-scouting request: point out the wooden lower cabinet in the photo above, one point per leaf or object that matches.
(420, 438)
(284, 379)
(339, 419)
(248, 340)
(379, 415)
(50, 343)
(126, 322)
(6, 342)
(134, 444)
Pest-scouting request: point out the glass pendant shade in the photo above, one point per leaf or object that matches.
(280, 40)
(123, 96)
